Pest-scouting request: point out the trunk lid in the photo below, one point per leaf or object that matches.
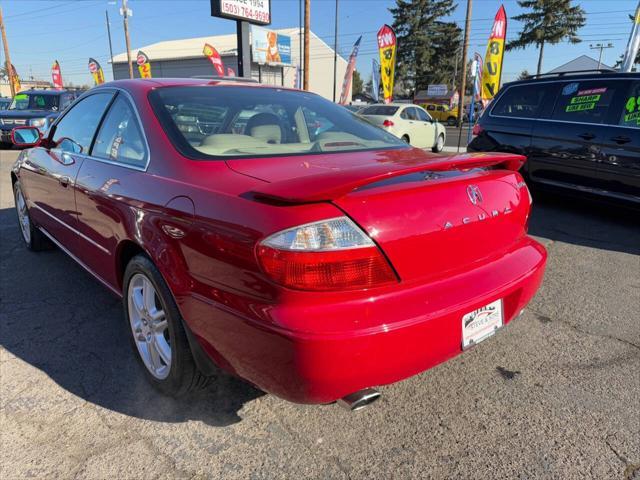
(431, 215)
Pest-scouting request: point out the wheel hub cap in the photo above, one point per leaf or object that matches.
(149, 326)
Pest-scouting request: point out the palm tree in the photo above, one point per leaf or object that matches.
(547, 21)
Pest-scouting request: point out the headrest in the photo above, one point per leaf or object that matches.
(267, 133)
(264, 126)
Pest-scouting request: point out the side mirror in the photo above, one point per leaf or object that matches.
(26, 136)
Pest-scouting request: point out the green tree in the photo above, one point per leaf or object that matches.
(524, 74)
(547, 22)
(426, 45)
(357, 84)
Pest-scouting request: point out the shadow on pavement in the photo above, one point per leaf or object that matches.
(57, 318)
(585, 222)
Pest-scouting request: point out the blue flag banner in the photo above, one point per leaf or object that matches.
(375, 80)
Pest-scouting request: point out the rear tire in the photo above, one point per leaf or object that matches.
(439, 146)
(33, 238)
(405, 139)
(155, 325)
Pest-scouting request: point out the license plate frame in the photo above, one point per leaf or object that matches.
(482, 323)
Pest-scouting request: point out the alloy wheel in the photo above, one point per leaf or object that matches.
(149, 326)
(23, 215)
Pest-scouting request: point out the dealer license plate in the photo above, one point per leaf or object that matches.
(481, 323)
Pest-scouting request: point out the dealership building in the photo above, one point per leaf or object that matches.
(185, 58)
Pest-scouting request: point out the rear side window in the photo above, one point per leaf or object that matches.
(385, 110)
(522, 101)
(585, 102)
(630, 116)
(120, 139)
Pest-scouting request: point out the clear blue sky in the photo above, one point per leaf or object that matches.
(41, 31)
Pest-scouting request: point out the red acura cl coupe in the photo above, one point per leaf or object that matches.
(316, 263)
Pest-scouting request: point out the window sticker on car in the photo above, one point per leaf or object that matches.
(592, 91)
(21, 96)
(632, 107)
(570, 89)
(580, 103)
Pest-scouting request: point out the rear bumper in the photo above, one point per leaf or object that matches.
(320, 367)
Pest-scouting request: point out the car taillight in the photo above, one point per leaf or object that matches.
(328, 255)
(477, 129)
(388, 123)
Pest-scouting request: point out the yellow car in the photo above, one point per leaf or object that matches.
(442, 113)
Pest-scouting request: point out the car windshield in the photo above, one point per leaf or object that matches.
(239, 121)
(34, 101)
(385, 110)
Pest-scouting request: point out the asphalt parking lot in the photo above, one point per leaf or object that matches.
(555, 395)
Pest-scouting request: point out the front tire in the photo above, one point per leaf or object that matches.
(34, 239)
(439, 146)
(156, 332)
(405, 139)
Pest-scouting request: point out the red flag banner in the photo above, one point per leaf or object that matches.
(56, 75)
(348, 76)
(215, 59)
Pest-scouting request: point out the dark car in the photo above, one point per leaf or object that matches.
(579, 131)
(4, 103)
(37, 108)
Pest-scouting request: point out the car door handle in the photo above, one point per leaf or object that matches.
(587, 136)
(64, 181)
(620, 139)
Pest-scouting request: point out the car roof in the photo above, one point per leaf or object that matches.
(43, 92)
(573, 76)
(147, 84)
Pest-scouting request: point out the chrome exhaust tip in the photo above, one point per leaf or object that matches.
(360, 399)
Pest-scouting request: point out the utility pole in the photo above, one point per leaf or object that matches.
(307, 21)
(7, 58)
(335, 54)
(113, 69)
(463, 70)
(124, 11)
(601, 47)
(300, 59)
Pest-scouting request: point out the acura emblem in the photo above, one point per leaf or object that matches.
(473, 191)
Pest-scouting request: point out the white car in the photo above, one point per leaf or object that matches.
(409, 122)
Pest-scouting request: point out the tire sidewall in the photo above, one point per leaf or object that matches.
(18, 187)
(173, 384)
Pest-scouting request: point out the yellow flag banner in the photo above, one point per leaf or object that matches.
(387, 50)
(492, 68)
(144, 67)
(96, 71)
(15, 79)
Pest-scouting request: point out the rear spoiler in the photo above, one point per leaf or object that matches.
(330, 185)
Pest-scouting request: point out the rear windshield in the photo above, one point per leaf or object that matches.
(34, 101)
(239, 121)
(385, 110)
